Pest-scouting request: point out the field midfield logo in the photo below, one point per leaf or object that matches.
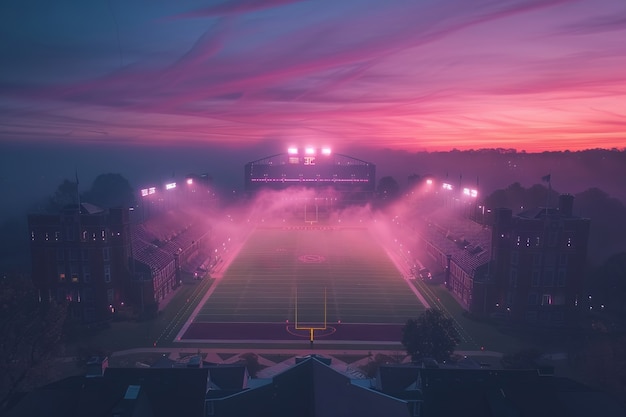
(312, 259)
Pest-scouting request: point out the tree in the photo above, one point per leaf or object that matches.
(388, 188)
(431, 335)
(110, 190)
(65, 194)
(31, 331)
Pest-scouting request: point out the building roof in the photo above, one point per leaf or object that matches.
(469, 243)
(310, 388)
(120, 391)
(481, 392)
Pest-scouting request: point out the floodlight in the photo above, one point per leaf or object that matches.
(309, 151)
(429, 181)
(325, 151)
(170, 186)
(189, 181)
(466, 191)
(144, 192)
(447, 186)
(473, 193)
(151, 190)
(292, 151)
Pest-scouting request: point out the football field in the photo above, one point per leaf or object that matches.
(287, 280)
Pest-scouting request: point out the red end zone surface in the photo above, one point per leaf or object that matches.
(287, 332)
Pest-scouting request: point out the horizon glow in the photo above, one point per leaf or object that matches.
(532, 75)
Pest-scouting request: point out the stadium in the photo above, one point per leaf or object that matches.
(320, 169)
(310, 267)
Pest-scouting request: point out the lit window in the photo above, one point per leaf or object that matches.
(47, 237)
(546, 300)
(32, 235)
(62, 277)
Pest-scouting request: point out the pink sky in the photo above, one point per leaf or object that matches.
(413, 75)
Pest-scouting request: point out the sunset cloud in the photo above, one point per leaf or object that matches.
(536, 75)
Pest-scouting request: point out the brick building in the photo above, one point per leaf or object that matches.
(527, 267)
(81, 255)
(538, 263)
(103, 264)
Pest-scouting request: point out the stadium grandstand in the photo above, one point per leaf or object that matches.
(321, 169)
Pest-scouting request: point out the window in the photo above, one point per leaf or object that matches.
(62, 277)
(537, 259)
(548, 277)
(509, 298)
(86, 273)
(84, 254)
(553, 238)
(561, 278)
(105, 254)
(536, 278)
(59, 254)
(73, 254)
(514, 257)
(546, 300)
(69, 235)
(532, 299)
(89, 295)
(110, 295)
(57, 236)
(513, 278)
(107, 273)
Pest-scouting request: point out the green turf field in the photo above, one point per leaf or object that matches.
(281, 271)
